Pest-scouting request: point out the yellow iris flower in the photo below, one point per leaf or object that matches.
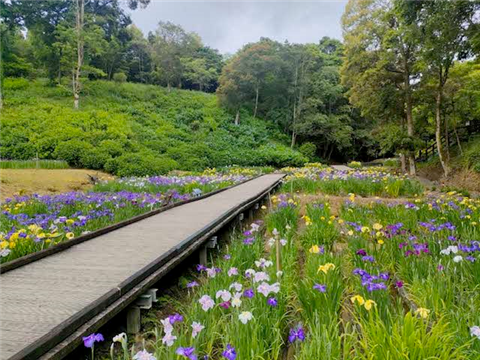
(325, 268)
(422, 312)
(357, 298)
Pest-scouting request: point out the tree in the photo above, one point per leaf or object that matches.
(80, 16)
(246, 75)
(196, 72)
(77, 45)
(381, 48)
(445, 27)
(8, 24)
(169, 44)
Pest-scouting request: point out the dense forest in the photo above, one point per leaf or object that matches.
(406, 73)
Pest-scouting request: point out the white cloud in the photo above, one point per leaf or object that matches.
(227, 25)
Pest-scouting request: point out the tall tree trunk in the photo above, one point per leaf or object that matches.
(447, 140)
(403, 163)
(409, 113)
(325, 149)
(458, 140)
(294, 135)
(237, 117)
(293, 124)
(438, 130)
(78, 69)
(330, 153)
(256, 102)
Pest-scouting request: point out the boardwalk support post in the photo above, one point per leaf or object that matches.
(133, 320)
(153, 294)
(251, 211)
(212, 243)
(202, 256)
(133, 313)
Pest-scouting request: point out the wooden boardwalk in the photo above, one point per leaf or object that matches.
(66, 295)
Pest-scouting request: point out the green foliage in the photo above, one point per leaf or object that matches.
(355, 164)
(119, 77)
(74, 151)
(15, 84)
(123, 122)
(308, 149)
(471, 157)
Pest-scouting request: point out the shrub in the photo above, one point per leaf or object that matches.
(308, 149)
(94, 159)
(119, 77)
(72, 151)
(15, 83)
(391, 162)
(355, 164)
(280, 155)
(472, 157)
(140, 164)
(111, 147)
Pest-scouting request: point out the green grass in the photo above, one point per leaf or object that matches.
(33, 164)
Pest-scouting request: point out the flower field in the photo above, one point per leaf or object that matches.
(32, 223)
(378, 281)
(373, 181)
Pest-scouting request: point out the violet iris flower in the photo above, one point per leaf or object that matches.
(91, 339)
(188, 352)
(320, 287)
(201, 267)
(248, 293)
(192, 284)
(175, 318)
(296, 334)
(229, 353)
(272, 302)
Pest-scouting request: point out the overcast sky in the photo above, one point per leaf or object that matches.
(227, 25)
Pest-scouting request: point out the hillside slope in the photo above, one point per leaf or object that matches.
(133, 129)
(465, 167)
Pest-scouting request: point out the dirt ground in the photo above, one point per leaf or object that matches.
(459, 179)
(45, 181)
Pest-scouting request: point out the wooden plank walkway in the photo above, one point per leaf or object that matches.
(46, 301)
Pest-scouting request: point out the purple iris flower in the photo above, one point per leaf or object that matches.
(188, 352)
(248, 293)
(248, 241)
(192, 284)
(470, 258)
(368, 258)
(384, 276)
(201, 267)
(227, 257)
(91, 339)
(399, 284)
(225, 304)
(361, 252)
(229, 352)
(175, 318)
(440, 267)
(272, 302)
(296, 333)
(320, 287)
